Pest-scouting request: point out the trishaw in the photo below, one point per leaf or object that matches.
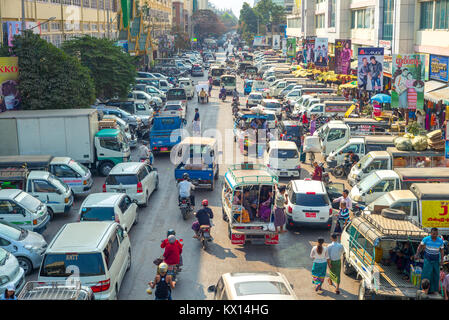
(202, 85)
(255, 226)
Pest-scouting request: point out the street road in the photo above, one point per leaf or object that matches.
(203, 268)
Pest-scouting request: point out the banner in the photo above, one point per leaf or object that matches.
(259, 41)
(342, 56)
(291, 47)
(284, 47)
(321, 52)
(438, 68)
(370, 69)
(310, 49)
(276, 41)
(9, 75)
(435, 214)
(408, 81)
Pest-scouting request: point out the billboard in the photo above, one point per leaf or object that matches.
(370, 69)
(259, 41)
(276, 41)
(14, 28)
(321, 52)
(284, 47)
(408, 81)
(291, 47)
(9, 76)
(310, 49)
(438, 68)
(435, 214)
(343, 56)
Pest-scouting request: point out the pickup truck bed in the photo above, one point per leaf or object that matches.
(202, 176)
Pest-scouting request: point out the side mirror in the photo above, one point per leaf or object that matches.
(135, 201)
(125, 233)
(212, 288)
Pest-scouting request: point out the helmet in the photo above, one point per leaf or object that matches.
(185, 176)
(171, 238)
(205, 202)
(171, 232)
(163, 267)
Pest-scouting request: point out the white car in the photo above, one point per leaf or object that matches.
(271, 119)
(258, 285)
(187, 84)
(283, 158)
(144, 96)
(136, 179)
(308, 204)
(109, 206)
(254, 99)
(97, 253)
(152, 91)
(294, 94)
(10, 272)
(174, 108)
(273, 105)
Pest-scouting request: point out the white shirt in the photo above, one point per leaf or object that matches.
(319, 258)
(144, 152)
(184, 188)
(347, 200)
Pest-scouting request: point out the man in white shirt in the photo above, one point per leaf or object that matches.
(145, 153)
(345, 198)
(185, 187)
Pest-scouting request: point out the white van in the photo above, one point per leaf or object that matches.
(187, 84)
(97, 252)
(283, 158)
(22, 209)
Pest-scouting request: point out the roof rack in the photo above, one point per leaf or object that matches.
(252, 178)
(396, 232)
(53, 290)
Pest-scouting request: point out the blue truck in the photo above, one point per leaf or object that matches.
(197, 156)
(165, 133)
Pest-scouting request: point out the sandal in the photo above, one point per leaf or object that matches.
(337, 291)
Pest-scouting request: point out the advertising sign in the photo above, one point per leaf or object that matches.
(342, 56)
(14, 28)
(310, 49)
(276, 41)
(370, 69)
(9, 75)
(435, 214)
(284, 47)
(291, 47)
(438, 68)
(321, 52)
(407, 81)
(259, 41)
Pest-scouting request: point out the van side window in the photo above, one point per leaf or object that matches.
(63, 171)
(124, 204)
(43, 186)
(120, 234)
(140, 107)
(6, 207)
(4, 242)
(336, 134)
(111, 250)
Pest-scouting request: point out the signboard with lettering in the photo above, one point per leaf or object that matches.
(408, 84)
(438, 68)
(370, 69)
(435, 214)
(9, 76)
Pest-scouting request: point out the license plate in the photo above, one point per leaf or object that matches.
(283, 173)
(310, 214)
(164, 149)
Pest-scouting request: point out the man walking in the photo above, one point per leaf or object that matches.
(433, 247)
(334, 251)
(196, 123)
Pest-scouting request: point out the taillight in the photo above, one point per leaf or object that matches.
(183, 201)
(34, 222)
(276, 122)
(101, 286)
(104, 187)
(290, 209)
(139, 187)
(310, 192)
(298, 167)
(330, 211)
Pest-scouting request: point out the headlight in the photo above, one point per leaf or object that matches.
(31, 248)
(3, 280)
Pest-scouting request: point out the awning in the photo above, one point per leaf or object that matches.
(438, 95)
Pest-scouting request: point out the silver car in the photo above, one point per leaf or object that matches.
(27, 246)
(10, 272)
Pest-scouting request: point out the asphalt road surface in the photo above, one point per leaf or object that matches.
(203, 268)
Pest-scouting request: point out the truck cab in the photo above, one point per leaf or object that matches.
(333, 135)
(111, 149)
(229, 82)
(374, 160)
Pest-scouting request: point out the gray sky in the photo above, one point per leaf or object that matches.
(235, 5)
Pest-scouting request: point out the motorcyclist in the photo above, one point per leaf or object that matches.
(172, 252)
(203, 216)
(163, 282)
(235, 94)
(145, 153)
(185, 187)
(165, 242)
(223, 92)
(351, 158)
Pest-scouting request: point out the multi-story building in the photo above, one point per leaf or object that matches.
(178, 14)
(203, 5)
(69, 18)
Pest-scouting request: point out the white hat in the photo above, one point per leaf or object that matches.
(10, 287)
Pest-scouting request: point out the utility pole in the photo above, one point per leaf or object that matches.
(23, 15)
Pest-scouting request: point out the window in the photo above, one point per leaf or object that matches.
(86, 26)
(363, 18)
(60, 265)
(69, 2)
(311, 200)
(100, 4)
(120, 234)
(378, 165)
(441, 14)
(260, 287)
(97, 214)
(124, 204)
(111, 144)
(384, 186)
(8, 207)
(86, 3)
(353, 19)
(387, 30)
(426, 15)
(44, 27)
(332, 7)
(4, 242)
(43, 186)
(93, 3)
(121, 179)
(55, 26)
(319, 21)
(404, 206)
(142, 174)
(111, 251)
(284, 154)
(63, 171)
(76, 2)
(55, 1)
(336, 134)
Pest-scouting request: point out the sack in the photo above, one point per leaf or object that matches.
(403, 144)
(244, 217)
(419, 143)
(158, 261)
(312, 144)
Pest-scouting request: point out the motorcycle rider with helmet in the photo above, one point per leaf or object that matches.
(223, 92)
(203, 217)
(165, 242)
(163, 282)
(185, 187)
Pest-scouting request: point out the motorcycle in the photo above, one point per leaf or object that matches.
(235, 102)
(222, 96)
(185, 206)
(235, 110)
(342, 170)
(204, 236)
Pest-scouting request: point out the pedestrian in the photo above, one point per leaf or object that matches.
(280, 201)
(196, 123)
(317, 172)
(9, 293)
(345, 198)
(445, 282)
(312, 125)
(433, 247)
(334, 251)
(319, 256)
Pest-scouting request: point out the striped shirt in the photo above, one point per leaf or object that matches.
(343, 214)
(432, 251)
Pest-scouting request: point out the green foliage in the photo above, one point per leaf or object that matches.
(182, 40)
(113, 70)
(49, 78)
(415, 129)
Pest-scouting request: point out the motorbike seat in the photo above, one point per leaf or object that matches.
(205, 226)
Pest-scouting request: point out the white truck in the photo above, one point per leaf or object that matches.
(63, 133)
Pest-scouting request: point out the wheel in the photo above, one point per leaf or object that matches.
(216, 173)
(129, 261)
(146, 201)
(204, 243)
(184, 213)
(288, 226)
(338, 172)
(225, 217)
(50, 213)
(364, 294)
(105, 168)
(157, 184)
(229, 232)
(26, 265)
(136, 221)
(347, 268)
(212, 187)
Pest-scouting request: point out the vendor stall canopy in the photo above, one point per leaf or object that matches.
(432, 91)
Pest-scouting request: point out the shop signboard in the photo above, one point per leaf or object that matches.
(438, 68)
(9, 76)
(370, 69)
(407, 81)
(342, 56)
(284, 47)
(291, 47)
(435, 214)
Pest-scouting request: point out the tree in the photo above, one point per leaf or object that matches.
(265, 16)
(182, 40)
(248, 20)
(113, 70)
(229, 21)
(49, 78)
(206, 23)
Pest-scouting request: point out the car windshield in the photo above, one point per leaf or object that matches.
(124, 179)
(217, 72)
(176, 94)
(284, 153)
(58, 183)
(365, 161)
(228, 81)
(384, 200)
(63, 265)
(97, 214)
(270, 117)
(172, 107)
(78, 167)
(272, 105)
(29, 202)
(255, 96)
(3, 256)
(10, 232)
(368, 182)
(292, 131)
(311, 200)
(260, 287)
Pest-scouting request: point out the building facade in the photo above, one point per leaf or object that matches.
(71, 18)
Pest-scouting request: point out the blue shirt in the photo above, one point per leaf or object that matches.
(197, 116)
(335, 251)
(432, 251)
(2, 297)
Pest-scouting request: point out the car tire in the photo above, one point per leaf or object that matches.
(50, 213)
(146, 200)
(216, 174)
(212, 187)
(25, 264)
(229, 232)
(105, 168)
(347, 268)
(136, 220)
(157, 184)
(129, 262)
